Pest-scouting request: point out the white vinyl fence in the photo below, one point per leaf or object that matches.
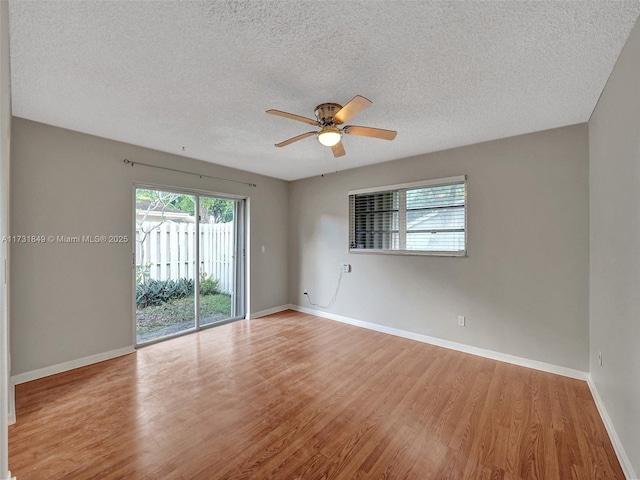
(169, 251)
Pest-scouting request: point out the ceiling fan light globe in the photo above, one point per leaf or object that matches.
(329, 136)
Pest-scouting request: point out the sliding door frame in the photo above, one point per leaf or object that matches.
(239, 297)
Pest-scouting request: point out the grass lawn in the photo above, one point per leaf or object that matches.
(181, 310)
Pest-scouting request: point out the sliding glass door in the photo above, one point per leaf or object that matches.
(217, 259)
(189, 273)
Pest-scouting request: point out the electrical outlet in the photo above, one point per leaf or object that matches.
(600, 358)
(461, 320)
(345, 268)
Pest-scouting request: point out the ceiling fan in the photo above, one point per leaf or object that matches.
(328, 117)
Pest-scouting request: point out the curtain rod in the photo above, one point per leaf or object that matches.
(201, 175)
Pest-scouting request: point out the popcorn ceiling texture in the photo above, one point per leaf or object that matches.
(200, 75)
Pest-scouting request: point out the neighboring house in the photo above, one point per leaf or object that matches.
(149, 211)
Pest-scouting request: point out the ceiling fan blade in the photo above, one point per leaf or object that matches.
(293, 116)
(351, 109)
(370, 132)
(295, 139)
(338, 150)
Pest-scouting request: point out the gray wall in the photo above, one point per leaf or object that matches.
(70, 301)
(524, 285)
(614, 149)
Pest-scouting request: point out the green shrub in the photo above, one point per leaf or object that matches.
(157, 292)
(208, 285)
(149, 293)
(143, 273)
(184, 287)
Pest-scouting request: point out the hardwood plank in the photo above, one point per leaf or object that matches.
(293, 396)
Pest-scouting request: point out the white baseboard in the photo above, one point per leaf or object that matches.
(70, 365)
(270, 311)
(625, 463)
(461, 347)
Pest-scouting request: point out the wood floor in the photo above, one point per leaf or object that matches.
(293, 396)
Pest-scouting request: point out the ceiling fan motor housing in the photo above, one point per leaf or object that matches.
(325, 112)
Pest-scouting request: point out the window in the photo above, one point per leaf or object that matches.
(421, 218)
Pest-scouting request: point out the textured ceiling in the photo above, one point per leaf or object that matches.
(200, 74)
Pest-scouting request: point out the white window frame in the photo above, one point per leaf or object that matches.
(402, 217)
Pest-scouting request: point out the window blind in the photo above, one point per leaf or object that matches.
(420, 218)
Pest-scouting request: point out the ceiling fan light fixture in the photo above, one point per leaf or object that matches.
(328, 117)
(329, 136)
